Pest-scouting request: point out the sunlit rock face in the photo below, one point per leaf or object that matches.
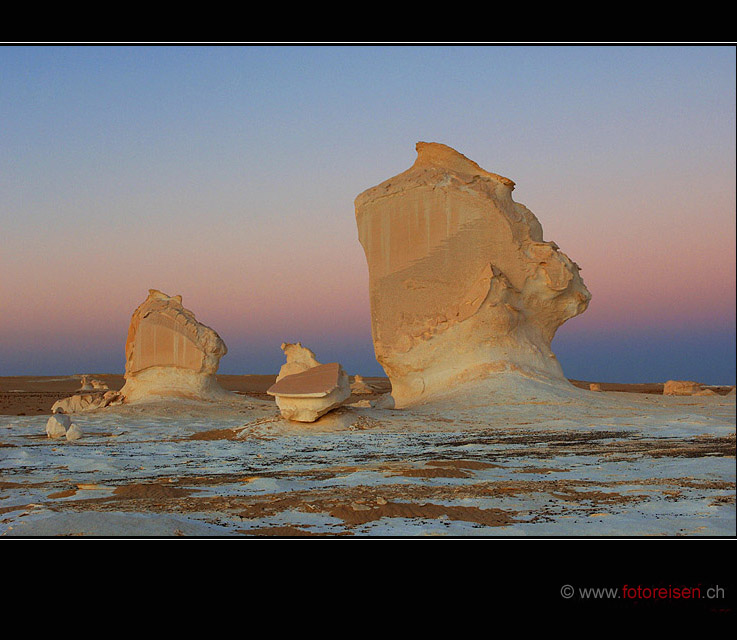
(169, 353)
(462, 285)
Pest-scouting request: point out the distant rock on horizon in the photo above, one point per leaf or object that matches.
(462, 285)
(681, 388)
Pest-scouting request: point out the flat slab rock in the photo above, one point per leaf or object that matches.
(314, 383)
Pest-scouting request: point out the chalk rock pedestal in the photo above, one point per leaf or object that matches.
(169, 353)
(305, 396)
(462, 284)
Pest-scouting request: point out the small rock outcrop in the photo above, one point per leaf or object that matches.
(595, 386)
(310, 394)
(681, 388)
(81, 402)
(359, 386)
(706, 392)
(462, 284)
(169, 353)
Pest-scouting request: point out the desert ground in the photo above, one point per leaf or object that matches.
(626, 461)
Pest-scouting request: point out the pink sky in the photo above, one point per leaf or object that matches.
(228, 176)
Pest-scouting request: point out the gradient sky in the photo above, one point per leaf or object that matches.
(227, 174)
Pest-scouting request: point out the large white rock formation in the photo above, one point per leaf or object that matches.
(169, 353)
(462, 284)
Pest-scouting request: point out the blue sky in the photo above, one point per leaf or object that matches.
(220, 172)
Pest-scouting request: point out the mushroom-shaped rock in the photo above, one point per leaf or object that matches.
(305, 396)
(299, 359)
(462, 284)
(169, 353)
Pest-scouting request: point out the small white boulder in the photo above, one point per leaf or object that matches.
(74, 432)
(384, 401)
(57, 425)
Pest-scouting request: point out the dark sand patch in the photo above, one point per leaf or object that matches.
(280, 532)
(215, 434)
(353, 516)
(439, 469)
(62, 494)
(605, 444)
(723, 501)
(150, 491)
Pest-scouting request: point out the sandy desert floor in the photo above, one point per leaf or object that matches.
(624, 462)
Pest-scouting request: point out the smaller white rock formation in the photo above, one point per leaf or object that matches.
(81, 402)
(85, 383)
(170, 354)
(681, 388)
(57, 425)
(595, 386)
(310, 394)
